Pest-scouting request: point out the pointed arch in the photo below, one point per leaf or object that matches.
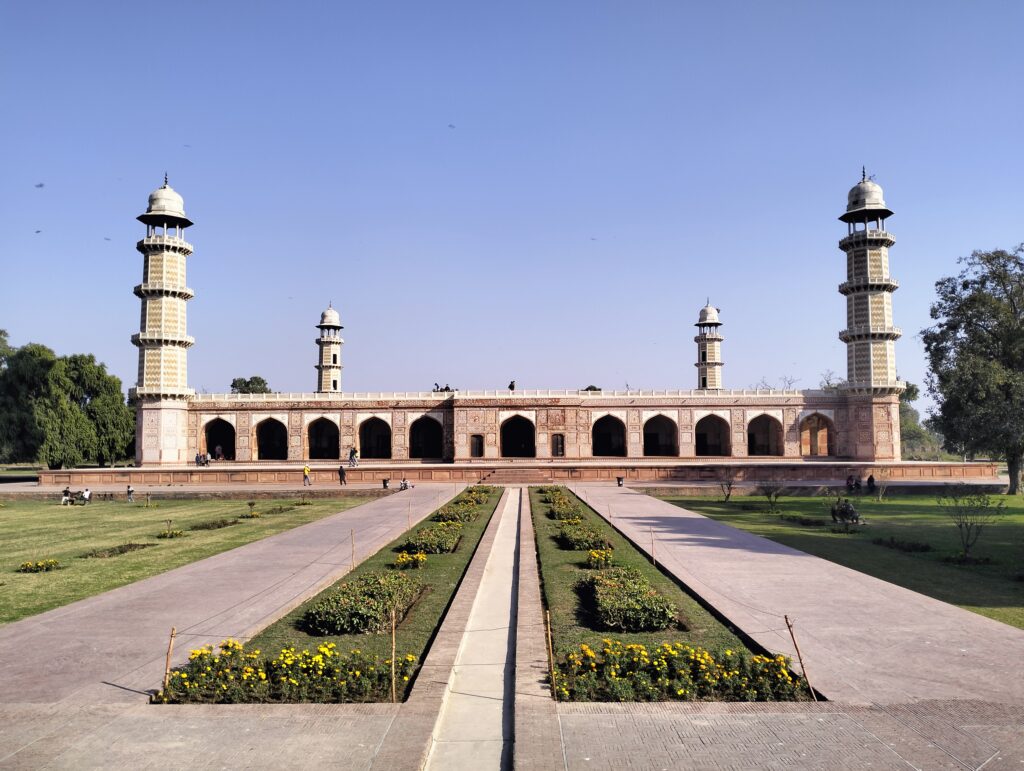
(608, 438)
(220, 439)
(426, 438)
(518, 438)
(661, 437)
(817, 436)
(324, 440)
(374, 439)
(764, 436)
(712, 436)
(271, 440)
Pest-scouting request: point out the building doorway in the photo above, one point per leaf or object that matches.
(220, 439)
(324, 440)
(817, 436)
(764, 436)
(518, 438)
(609, 438)
(712, 436)
(426, 439)
(476, 446)
(271, 440)
(661, 437)
(374, 439)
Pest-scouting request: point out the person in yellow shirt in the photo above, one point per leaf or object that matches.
(305, 476)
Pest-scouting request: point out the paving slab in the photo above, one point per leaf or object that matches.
(864, 640)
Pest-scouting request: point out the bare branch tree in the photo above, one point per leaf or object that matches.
(772, 490)
(971, 512)
(726, 476)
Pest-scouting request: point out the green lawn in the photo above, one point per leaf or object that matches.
(34, 530)
(441, 576)
(992, 590)
(561, 570)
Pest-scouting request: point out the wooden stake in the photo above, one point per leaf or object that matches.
(551, 653)
(393, 697)
(167, 662)
(799, 657)
(408, 516)
(654, 556)
(352, 535)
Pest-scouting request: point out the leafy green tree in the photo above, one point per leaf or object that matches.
(5, 348)
(69, 438)
(917, 441)
(976, 353)
(250, 385)
(98, 394)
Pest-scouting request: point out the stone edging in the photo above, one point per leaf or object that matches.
(408, 740)
(538, 735)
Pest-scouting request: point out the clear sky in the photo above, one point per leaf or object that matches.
(545, 191)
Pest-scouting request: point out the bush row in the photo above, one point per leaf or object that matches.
(233, 675)
(465, 506)
(364, 604)
(561, 505)
(576, 535)
(439, 538)
(674, 672)
(624, 600)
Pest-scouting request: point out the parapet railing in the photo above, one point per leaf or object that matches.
(509, 395)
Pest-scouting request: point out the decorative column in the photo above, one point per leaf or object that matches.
(162, 391)
(329, 343)
(872, 387)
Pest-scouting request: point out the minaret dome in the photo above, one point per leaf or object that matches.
(329, 344)
(709, 348)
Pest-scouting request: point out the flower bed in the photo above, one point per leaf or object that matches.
(364, 604)
(625, 601)
(440, 538)
(465, 507)
(580, 537)
(114, 551)
(621, 672)
(41, 566)
(234, 675)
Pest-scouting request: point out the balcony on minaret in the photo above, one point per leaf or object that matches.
(872, 237)
(867, 284)
(869, 332)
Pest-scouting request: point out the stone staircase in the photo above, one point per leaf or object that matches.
(516, 476)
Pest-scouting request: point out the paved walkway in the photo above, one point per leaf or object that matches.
(474, 729)
(111, 647)
(863, 640)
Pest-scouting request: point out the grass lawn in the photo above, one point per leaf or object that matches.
(440, 576)
(992, 590)
(561, 570)
(36, 530)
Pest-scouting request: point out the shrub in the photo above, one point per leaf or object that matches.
(171, 534)
(805, 521)
(456, 512)
(406, 560)
(233, 675)
(581, 537)
(624, 600)
(599, 558)
(364, 604)
(280, 509)
(42, 566)
(216, 524)
(114, 551)
(440, 538)
(251, 514)
(900, 545)
(674, 672)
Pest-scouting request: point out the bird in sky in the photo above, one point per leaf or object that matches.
(105, 238)
(38, 232)
(40, 184)
(451, 125)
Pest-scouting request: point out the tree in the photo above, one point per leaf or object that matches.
(971, 512)
(830, 381)
(976, 355)
(250, 385)
(5, 348)
(98, 394)
(918, 442)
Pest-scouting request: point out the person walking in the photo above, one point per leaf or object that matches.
(353, 458)
(341, 475)
(305, 476)
(131, 494)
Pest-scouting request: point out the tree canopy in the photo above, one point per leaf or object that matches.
(918, 441)
(975, 350)
(61, 411)
(250, 385)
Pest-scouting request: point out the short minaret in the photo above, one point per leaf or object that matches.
(709, 348)
(329, 366)
(869, 335)
(162, 388)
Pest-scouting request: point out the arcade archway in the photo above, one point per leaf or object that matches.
(712, 436)
(426, 439)
(271, 440)
(324, 440)
(608, 438)
(661, 437)
(518, 438)
(374, 439)
(220, 439)
(764, 436)
(817, 436)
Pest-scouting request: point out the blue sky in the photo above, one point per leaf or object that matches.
(539, 191)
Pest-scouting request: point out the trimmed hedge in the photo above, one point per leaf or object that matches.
(580, 537)
(364, 604)
(625, 601)
(441, 538)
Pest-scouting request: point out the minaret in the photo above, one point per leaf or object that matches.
(869, 335)
(162, 389)
(329, 366)
(709, 348)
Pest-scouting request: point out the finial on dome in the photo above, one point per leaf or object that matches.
(863, 173)
(165, 180)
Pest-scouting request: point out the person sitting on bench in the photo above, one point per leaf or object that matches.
(85, 496)
(65, 497)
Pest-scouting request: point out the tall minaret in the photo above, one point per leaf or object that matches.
(162, 389)
(709, 348)
(329, 366)
(869, 335)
